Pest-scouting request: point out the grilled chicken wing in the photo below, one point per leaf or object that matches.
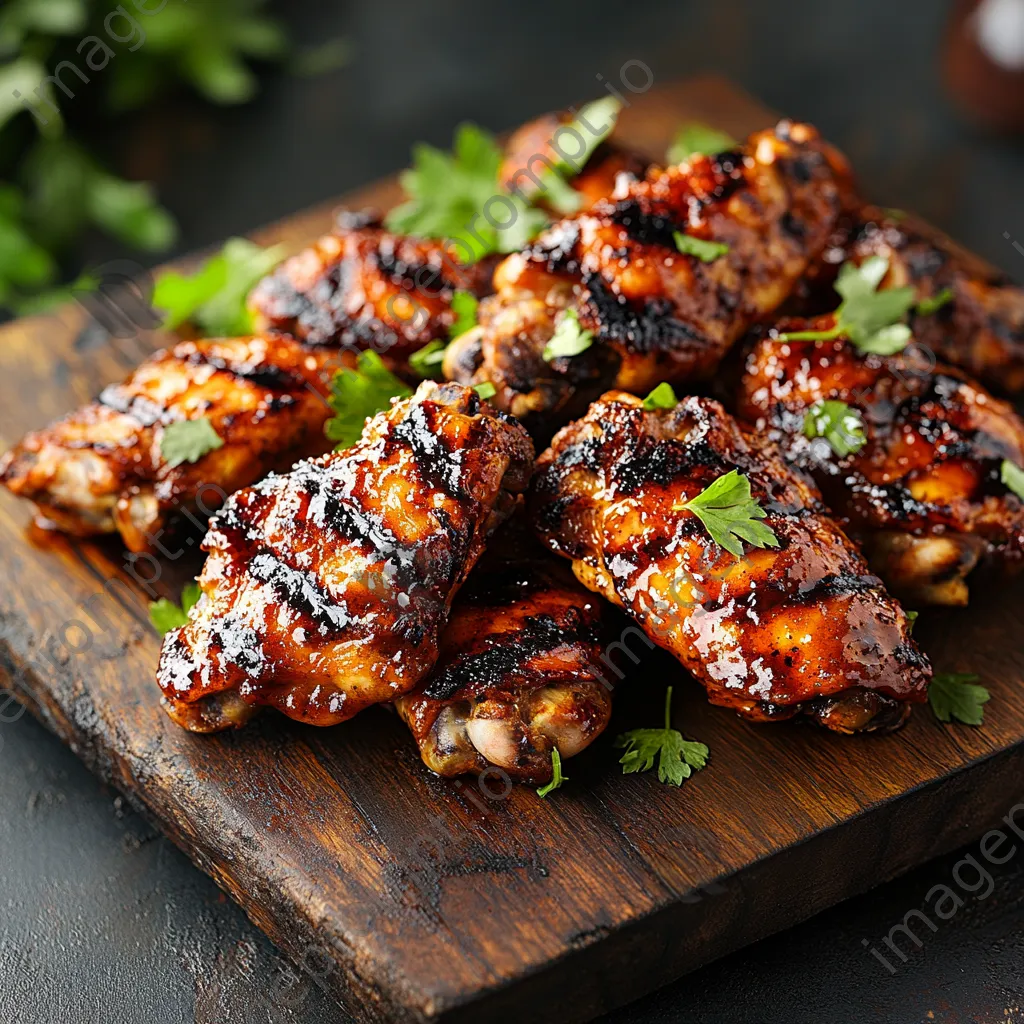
(804, 629)
(327, 587)
(101, 469)
(363, 287)
(980, 330)
(529, 155)
(518, 673)
(657, 313)
(923, 491)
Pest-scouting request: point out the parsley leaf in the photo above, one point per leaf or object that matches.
(953, 695)
(427, 359)
(705, 251)
(358, 394)
(676, 757)
(662, 397)
(464, 306)
(188, 441)
(695, 137)
(557, 778)
(485, 390)
(166, 615)
(932, 305)
(214, 297)
(569, 339)
(1013, 476)
(868, 317)
(731, 515)
(449, 192)
(839, 424)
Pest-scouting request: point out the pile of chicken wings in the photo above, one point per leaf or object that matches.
(479, 557)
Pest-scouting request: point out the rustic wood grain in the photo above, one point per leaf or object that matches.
(413, 898)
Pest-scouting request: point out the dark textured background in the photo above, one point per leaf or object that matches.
(101, 920)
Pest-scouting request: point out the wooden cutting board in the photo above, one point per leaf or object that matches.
(412, 898)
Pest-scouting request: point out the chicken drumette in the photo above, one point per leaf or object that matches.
(103, 468)
(520, 671)
(912, 467)
(665, 275)
(327, 588)
(803, 628)
(364, 287)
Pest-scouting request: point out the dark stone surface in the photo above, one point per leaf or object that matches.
(102, 920)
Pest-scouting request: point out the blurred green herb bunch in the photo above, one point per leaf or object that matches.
(67, 69)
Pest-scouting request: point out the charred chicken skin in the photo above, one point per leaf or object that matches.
(802, 629)
(327, 588)
(102, 469)
(362, 287)
(980, 328)
(518, 674)
(917, 478)
(754, 218)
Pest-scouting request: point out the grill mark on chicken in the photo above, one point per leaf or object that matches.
(802, 629)
(326, 588)
(924, 494)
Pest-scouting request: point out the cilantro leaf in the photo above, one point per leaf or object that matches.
(558, 194)
(676, 757)
(839, 424)
(868, 317)
(557, 778)
(166, 615)
(464, 306)
(705, 251)
(569, 339)
(912, 618)
(933, 304)
(605, 111)
(358, 394)
(1013, 476)
(695, 137)
(731, 515)
(954, 695)
(214, 297)
(427, 359)
(449, 194)
(662, 397)
(485, 390)
(188, 441)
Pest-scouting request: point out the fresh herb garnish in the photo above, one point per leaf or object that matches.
(731, 515)
(166, 615)
(449, 191)
(912, 618)
(868, 317)
(427, 359)
(953, 695)
(214, 297)
(569, 339)
(188, 441)
(1013, 476)
(705, 251)
(933, 304)
(839, 424)
(695, 137)
(358, 394)
(464, 306)
(557, 778)
(662, 397)
(676, 757)
(485, 390)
